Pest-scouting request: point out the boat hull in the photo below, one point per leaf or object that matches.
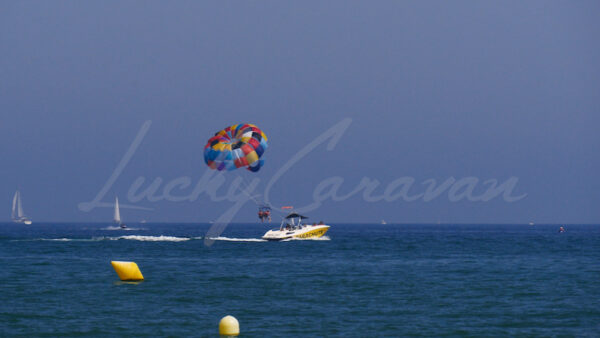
(305, 232)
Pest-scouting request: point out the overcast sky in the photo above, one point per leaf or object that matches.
(436, 90)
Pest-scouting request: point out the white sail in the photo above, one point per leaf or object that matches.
(20, 214)
(14, 206)
(117, 217)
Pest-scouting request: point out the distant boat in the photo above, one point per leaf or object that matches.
(117, 217)
(17, 210)
(383, 221)
(531, 223)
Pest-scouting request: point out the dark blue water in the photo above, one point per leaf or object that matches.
(367, 280)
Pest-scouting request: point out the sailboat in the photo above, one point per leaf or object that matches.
(17, 210)
(117, 217)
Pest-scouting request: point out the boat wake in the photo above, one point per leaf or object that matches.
(231, 239)
(160, 238)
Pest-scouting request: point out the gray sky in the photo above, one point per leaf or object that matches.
(434, 90)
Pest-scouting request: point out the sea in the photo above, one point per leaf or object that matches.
(361, 280)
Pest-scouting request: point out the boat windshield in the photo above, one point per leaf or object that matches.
(292, 222)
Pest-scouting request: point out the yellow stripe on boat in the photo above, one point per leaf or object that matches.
(313, 233)
(127, 270)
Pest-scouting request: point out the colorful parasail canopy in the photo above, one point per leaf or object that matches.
(237, 146)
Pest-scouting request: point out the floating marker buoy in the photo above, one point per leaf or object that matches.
(229, 326)
(127, 270)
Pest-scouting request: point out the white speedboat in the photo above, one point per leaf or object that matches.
(290, 228)
(17, 210)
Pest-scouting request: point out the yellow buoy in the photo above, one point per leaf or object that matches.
(127, 270)
(229, 326)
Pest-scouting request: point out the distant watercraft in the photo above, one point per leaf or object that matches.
(290, 228)
(383, 221)
(561, 229)
(531, 223)
(117, 217)
(17, 210)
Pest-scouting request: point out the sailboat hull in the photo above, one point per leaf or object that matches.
(22, 221)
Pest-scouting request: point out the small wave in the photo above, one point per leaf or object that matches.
(66, 239)
(112, 228)
(231, 239)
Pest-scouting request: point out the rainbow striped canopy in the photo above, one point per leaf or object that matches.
(237, 146)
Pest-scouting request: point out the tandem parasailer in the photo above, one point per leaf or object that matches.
(264, 213)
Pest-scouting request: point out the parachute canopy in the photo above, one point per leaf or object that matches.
(237, 146)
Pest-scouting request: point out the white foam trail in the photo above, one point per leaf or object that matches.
(160, 238)
(58, 240)
(231, 239)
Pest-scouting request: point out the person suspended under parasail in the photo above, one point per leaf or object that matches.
(264, 213)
